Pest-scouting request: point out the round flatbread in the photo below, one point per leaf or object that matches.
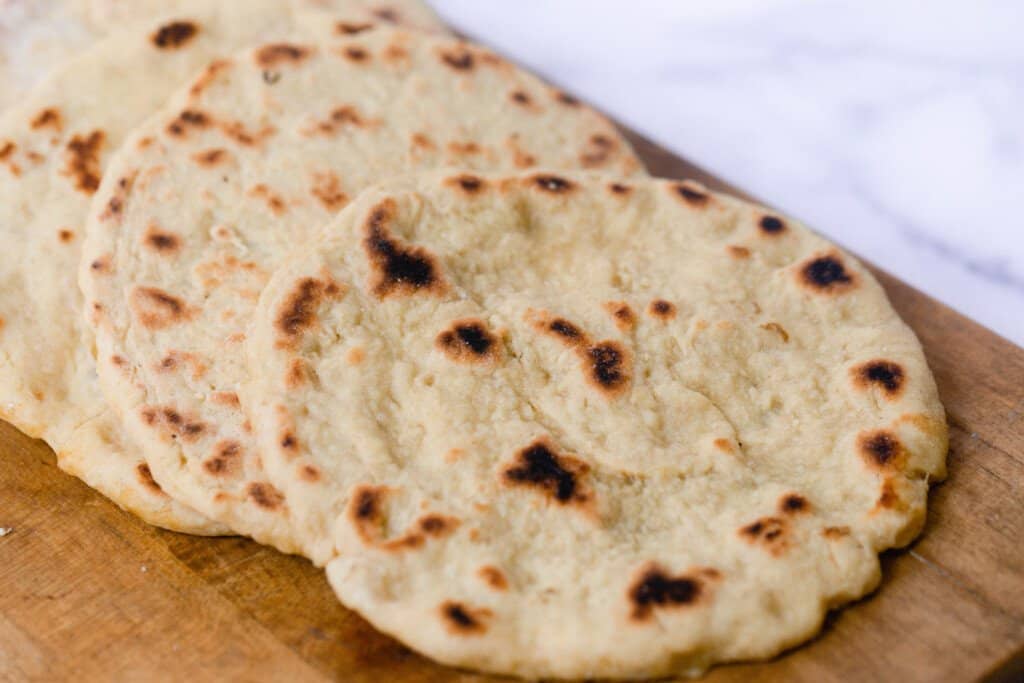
(562, 425)
(54, 147)
(249, 161)
(37, 35)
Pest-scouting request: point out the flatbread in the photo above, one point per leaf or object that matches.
(53, 148)
(558, 424)
(247, 162)
(37, 35)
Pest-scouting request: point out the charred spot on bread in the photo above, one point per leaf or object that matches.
(622, 313)
(226, 460)
(770, 533)
(661, 309)
(82, 160)
(655, 588)
(826, 274)
(398, 269)
(463, 620)
(468, 340)
(608, 367)
(793, 503)
(887, 376)
(175, 34)
(557, 476)
(771, 225)
(459, 58)
(467, 183)
(299, 311)
(692, 193)
(881, 450)
(156, 309)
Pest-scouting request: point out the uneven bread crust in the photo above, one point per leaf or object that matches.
(37, 36)
(561, 424)
(54, 147)
(248, 161)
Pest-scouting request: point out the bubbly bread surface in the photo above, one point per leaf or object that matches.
(54, 148)
(561, 424)
(248, 161)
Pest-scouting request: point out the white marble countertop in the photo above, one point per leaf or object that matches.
(896, 128)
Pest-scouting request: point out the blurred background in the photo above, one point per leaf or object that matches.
(895, 128)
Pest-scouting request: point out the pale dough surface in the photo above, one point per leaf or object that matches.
(54, 147)
(249, 161)
(558, 424)
(38, 35)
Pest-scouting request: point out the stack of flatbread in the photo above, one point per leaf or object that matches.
(316, 273)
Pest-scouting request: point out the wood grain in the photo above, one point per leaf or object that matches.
(91, 593)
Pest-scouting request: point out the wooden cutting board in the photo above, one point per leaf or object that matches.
(91, 593)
